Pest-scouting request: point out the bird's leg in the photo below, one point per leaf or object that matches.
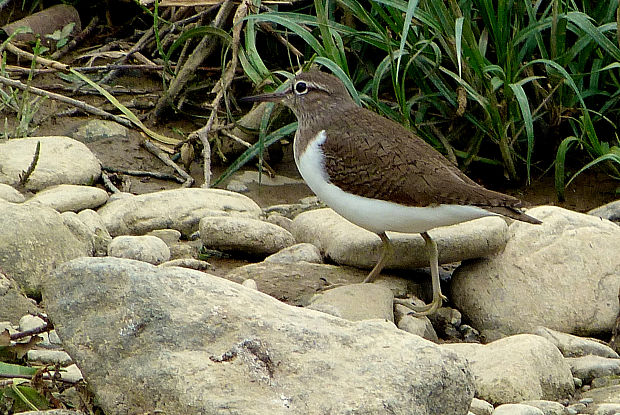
(438, 297)
(385, 255)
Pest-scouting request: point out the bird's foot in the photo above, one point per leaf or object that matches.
(329, 285)
(422, 310)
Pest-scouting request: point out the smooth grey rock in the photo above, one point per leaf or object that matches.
(72, 374)
(517, 368)
(348, 244)
(356, 302)
(33, 241)
(195, 343)
(480, 407)
(30, 322)
(70, 197)
(13, 303)
(237, 186)
(10, 194)
(49, 357)
(247, 235)
(250, 283)
(296, 283)
(563, 274)
(54, 412)
(587, 368)
(607, 409)
(80, 230)
(609, 211)
(101, 236)
(420, 326)
(295, 253)
(95, 130)
(61, 160)
(169, 236)
(547, 407)
(575, 346)
(280, 220)
(179, 209)
(605, 381)
(145, 248)
(517, 409)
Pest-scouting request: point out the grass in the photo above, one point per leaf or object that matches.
(528, 85)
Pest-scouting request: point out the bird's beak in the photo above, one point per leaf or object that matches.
(271, 97)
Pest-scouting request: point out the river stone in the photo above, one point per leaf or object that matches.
(246, 235)
(13, 304)
(480, 407)
(95, 130)
(10, 194)
(196, 343)
(563, 274)
(70, 197)
(420, 326)
(33, 241)
(574, 346)
(587, 368)
(145, 248)
(609, 211)
(80, 230)
(348, 244)
(295, 253)
(517, 409)
(179, 209)
(61, 160)
(101, 236)
(356, 302)
(548, 407)
(517, 368)
(297, 282)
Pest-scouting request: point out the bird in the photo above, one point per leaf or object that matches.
(378, 174)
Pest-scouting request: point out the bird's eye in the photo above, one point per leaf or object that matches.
(300, 87)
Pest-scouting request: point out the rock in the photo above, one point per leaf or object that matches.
(61, 160)
(30, 322)
(70, 197)
(50, 357)
(574, 346)
(547, 407)
(480, 407)
(80, 230)
(563, 274)
(195, 343)
(169, 236)
(33, 241)
(250, 284)
(13, 304)
(53, 412)
(605, 381)
(420, 326)
(246, 235)
(607, 399)
(71, 374)
(587, 368)
(446, 322)
(356, 302)
(96, 130)
(10, 194)
(101, 236)
(145, 248)
(237, 186)
(348, 244)
(295, 253)
(517, 409)
(280, 220)
(517, 368)
(179, 209)
(610, 211)
(296, 283)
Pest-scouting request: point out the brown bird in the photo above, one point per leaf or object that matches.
(379, 175)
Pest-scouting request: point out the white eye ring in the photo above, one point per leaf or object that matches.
(300, 88)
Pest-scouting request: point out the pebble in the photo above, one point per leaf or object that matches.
(587, 368)
(10, 194)
(480, 407)
(169, 236)
(295, 253)
(344, 302)
(517, 409)
(96, 130)
(50, 357)
(70, 197)
(420, 326)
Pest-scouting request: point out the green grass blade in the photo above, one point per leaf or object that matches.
(560, 164)
(526, 114)
(458, 34)
(411, 6)
(611, 156)
(253, 151)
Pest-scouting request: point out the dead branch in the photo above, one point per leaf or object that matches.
(79, 38)
(108, 183)
(206, 46)
(43, 61)
(70, 101)
(144, 173)
(188, 180)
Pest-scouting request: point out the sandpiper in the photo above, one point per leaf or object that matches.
(379, 175)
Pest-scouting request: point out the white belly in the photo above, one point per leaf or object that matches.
(372, 214)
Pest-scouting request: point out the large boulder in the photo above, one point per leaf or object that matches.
(563, 275)
(61, 160)
(181, 341)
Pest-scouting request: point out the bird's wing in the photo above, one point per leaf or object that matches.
(383, 160)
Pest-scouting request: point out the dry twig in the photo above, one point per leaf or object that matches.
(188, 180)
